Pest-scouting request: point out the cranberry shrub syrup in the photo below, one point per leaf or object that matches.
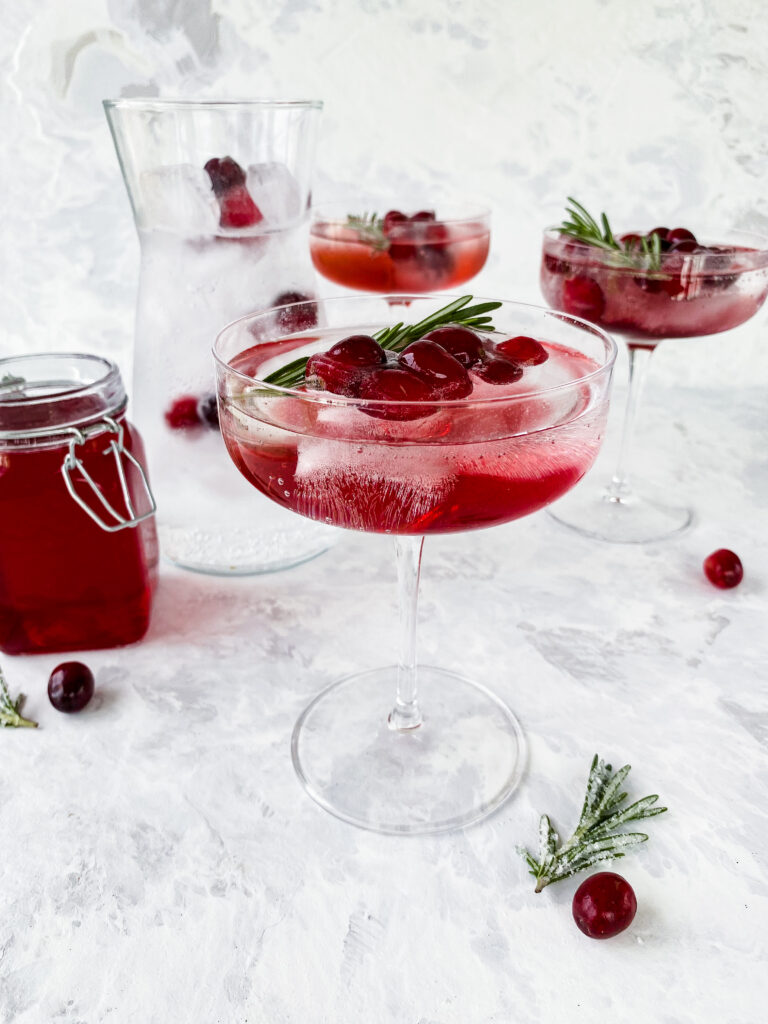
(66, 583)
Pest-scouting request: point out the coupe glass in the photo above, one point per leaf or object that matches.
(430, 251)
(688, 295)
(401, 749)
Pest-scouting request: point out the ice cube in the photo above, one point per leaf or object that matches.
(178, 198)
(276, 193)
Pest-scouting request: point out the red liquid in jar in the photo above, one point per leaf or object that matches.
(65, 583)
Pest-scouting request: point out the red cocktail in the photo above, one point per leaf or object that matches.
(399, 252)
(433, 427)
(646, 287)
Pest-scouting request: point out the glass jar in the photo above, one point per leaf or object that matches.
(78, 548)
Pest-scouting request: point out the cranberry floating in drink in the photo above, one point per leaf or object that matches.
(426, 251)
(645, 286)
(412, 429)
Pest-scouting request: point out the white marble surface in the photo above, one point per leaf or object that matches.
(159, 862)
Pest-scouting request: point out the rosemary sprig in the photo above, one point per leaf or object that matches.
(10, 710)
(398, 337)
(370, 229)
(581, 225)
(595, 838)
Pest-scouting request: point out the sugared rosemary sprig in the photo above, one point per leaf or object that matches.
(398, 337)
(595, 838)
(581, 225)
(10, 710)
(370, 229)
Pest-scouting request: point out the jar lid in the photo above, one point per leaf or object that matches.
(49, 394)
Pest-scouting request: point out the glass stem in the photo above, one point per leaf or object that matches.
(406, 713)
(639, 360)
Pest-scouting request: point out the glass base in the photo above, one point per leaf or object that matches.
(460, 765)
(243, 551)
(628, 519)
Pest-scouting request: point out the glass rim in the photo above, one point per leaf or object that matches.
(756, 256)
(331, 399)
(170, 103)
(477, 212)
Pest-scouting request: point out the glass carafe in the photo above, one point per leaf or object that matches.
(220, 194)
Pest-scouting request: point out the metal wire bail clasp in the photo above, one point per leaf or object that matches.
(72, 463)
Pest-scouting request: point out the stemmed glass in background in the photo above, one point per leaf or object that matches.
(419, 252)
(647, 290)
(398, 750)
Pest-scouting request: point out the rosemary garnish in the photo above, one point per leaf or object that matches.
(594, 838)
(10, 710)
(370, 229)
(581, 225)
(398, 337)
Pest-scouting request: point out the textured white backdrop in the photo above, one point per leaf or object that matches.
(654, 111)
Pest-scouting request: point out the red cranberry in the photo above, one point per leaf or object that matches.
(680, 235)
(438, 236)
(325, 373)
(724, 569)
(70, 686)
(208, 411)
(391, 218)
(182, 413)
(523, 350)
(423, 215)
(401, 252)
(556, 266)
(238, 210)
(297, 317)
(583, 297)
(394, 385)
(604, 905)
(661, 232)
(494, 370)
(631, 240)
(684, 245)
(443, 373)
(358, 350)
(462, 343)
(225, 173)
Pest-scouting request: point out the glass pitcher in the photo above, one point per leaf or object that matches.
(220, 194)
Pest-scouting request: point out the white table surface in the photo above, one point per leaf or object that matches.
(160, 862)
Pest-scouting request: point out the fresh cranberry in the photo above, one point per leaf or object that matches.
(631, 240)
(325, 373)
(394, 385)
(604, 905)
(680, 235)
(391, 218)
(724, 569)
(523, 350)
(423, 215)
(182, 413)
(70, 686)
(238, 210)
(401, 252)
(684, 245)
(438, 236)
(556, 266)
(208, 411)
(358, 350)
(296, 317)
(225, 173)
(495, 370)
(583, 297)
(462, 343)
(661, 232)
(442, 372)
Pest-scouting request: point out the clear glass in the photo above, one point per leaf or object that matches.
(689, 294)
(207, 258)
(409, 748)
(444, 250)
